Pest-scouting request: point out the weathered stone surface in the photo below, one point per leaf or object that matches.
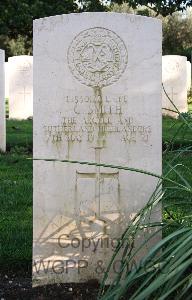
(174, 78)
(188, 75)
(2, 102)
(97, 98)
(20, 87)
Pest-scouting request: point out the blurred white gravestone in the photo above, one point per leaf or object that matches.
(174, 79)
(6, 80)
(188, 75)
(97, 98)
(2, 102)
(20, 87)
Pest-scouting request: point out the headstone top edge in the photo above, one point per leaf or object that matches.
(175, 56)
(86, 14)
(20, 56)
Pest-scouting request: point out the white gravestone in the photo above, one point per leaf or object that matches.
(97, 98)
(20, 87)
(2, 102)
(174, 79)
(188, 75)
(6, 80)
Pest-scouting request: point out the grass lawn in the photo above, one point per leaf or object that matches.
(176, 132)
(16, 185)
(16, 208)
(19, 136)
(16, 195)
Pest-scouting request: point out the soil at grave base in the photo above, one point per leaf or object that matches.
(14, 286)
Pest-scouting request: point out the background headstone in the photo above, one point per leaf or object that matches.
(6, 80)
(2, 102)
(174, 78)
(97, 98)
(20, 87)
(188, 75)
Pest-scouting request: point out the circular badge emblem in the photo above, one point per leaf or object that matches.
(97, 57)
(172, 67)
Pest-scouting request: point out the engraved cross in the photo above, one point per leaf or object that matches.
(172, 94)
(98, 176)
(24, 93)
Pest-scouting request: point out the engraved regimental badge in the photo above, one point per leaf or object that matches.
(97, 57)
(172, 67)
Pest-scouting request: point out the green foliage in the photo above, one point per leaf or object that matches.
(92, 5)
(126, 8)
(16, 18)
(176, 133)
(7, 107)
(177, 35)
(16, 21)
(19, 46)
(187, 116)
(123, 8)
(164, 270)
(189, 99)
(177, 29)
(160, 7)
